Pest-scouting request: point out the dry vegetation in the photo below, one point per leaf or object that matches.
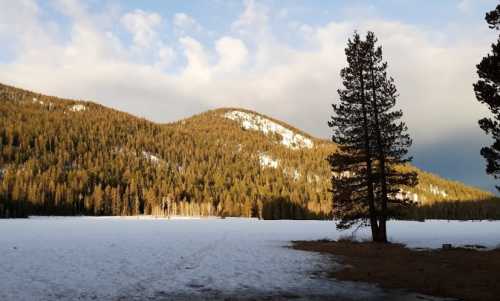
(458, 273)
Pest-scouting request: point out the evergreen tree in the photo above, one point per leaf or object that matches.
(372, 142)
(487, 91)
(391, 140)
(352, 181)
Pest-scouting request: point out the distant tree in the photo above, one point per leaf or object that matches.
(487, 91)
(372, 142)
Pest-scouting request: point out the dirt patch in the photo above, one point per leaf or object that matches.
(457, 272)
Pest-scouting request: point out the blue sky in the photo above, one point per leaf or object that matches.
(166, 60)
(222, 13)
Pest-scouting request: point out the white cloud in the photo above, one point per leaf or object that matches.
(254, 18)
(142, 25)
(359, 11)
(252, 67)
(147, 45)
(282, 13)
(232, 54)
(19, 28)
(197, 68)
(166, 56)
(185, 24)
(71, 8)
(466, 6)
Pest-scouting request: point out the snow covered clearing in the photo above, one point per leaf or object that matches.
(255, 122)
(112, 258)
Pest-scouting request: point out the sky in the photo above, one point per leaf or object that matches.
(167, 60)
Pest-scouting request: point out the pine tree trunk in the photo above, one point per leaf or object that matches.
(369, 176)
(382, 230)
(381, 159)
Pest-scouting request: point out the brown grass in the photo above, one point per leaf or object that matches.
(458, 273)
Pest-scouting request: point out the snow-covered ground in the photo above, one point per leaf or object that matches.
(95, 258)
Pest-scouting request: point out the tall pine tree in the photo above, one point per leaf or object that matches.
(372, 142)
(487, 91)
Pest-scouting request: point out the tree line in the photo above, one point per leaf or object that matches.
(98, 161)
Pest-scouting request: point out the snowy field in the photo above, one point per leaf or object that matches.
(109, 258)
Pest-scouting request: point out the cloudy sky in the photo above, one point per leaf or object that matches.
(166, 60)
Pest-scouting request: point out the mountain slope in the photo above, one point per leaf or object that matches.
(72, 157)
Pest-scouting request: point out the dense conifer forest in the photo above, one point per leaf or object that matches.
(66, 157)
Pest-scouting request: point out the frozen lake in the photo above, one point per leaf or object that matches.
(109, 258)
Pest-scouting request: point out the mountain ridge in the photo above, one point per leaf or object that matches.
(226, 161)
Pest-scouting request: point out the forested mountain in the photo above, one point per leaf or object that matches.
(66, 157)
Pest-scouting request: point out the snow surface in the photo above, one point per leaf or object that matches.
(255, 122)
(106, 258)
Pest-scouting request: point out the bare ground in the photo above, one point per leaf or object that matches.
(455, 273)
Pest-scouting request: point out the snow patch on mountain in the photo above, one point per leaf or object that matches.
(154, 159)
(42, 103)
(311, 178)
(437, 191)
(255, 122)
(35, 100)
(78, 108)
(292, 173)
(343, 174)
(400, 195)
(403, 194)
(268, 161)
(407, 195)
(414, 197)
